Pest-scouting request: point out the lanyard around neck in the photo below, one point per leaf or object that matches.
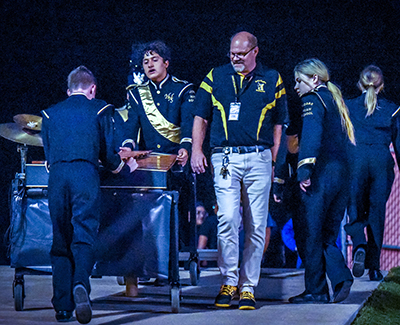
(239, 91)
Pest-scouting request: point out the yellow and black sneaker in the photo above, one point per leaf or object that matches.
(247, 301)
(225, 296)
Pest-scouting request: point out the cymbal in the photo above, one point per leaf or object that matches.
(15, 133)
(31, 122)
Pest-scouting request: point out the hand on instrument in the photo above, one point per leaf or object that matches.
(126, 153)
(198, 162)
(132, 163)
(123, 152)
(182, 157)
(305, 184)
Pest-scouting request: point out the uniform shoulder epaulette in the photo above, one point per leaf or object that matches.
(315, 92)
(104, 109)
(175, 79)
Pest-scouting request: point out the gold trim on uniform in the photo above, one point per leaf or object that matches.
(397, 110)
(262, 116)
(186, 140)
(128, 141)
(167, 129)
(306, 161)
(279, 180)
(45, 114)
(121, 165)
(131, 93)
(183, 89)
(100, 111)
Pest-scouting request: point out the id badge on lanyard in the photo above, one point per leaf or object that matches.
(234, 111)
(234, 108)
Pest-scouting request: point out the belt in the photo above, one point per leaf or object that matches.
(239, 150)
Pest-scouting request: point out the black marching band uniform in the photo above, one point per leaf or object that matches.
(162, 114)
(160, 119)
(76, 134)
(323, 159)
(372, 174)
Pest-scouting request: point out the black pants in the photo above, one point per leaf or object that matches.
(74, 192)
(325, 203)
(371, 180)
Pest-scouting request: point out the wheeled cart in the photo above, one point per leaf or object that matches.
(138, 236)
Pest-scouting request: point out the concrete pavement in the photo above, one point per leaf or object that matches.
(153, 306)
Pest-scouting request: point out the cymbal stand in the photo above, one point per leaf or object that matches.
(23, 150)
(19, 181)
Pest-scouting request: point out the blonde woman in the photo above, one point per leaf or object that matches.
(323, 175)
(372, 171)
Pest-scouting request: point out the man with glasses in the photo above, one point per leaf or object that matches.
(245, 106)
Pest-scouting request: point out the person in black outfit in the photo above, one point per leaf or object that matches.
(372, 171)
(323, 175)
(160, 118)
(76, 134)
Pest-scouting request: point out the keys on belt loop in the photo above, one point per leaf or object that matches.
(225, 162)
(226, 150)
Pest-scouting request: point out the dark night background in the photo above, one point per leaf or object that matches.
(42, 43)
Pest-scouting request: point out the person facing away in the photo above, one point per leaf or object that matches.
(372, 170)
(245, 106)
(323, 174)
(76, 133)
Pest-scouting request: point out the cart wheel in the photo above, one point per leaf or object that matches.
(121, 280)
(19, 296)
(175, 299)
(194, 274)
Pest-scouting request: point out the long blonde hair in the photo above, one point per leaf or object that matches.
(371, 81)
(311, 67)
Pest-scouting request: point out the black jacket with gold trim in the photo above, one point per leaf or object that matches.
(160, 117)
(323, 138)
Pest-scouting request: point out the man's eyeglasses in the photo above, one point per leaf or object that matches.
(240, 55)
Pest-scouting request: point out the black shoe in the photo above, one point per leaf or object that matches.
(247, 301)
(225, 296)
(375, 275)
(63, 316)
(342, 291)
(83, 309)
(358, 262)
(308, 298)
(161, 282)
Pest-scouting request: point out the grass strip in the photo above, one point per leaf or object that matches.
(383, 306)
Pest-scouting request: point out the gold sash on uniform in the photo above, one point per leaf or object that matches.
(157, 120)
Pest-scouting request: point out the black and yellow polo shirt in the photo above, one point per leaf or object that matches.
(263, 104)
